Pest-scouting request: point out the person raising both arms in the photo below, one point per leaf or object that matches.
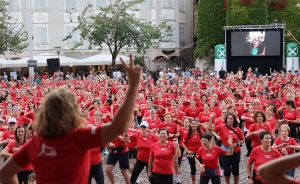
(56, 127)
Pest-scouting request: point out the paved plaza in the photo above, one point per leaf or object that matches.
(185, 173)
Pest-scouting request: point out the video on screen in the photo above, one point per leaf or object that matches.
(255, 43)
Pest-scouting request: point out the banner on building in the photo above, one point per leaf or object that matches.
(220, 57)
(292, 57)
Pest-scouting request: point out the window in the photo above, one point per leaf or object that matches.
(40, 4)
(181, 5)
(41, 35)
(167, 4)
(181, 34)
(169, 36)
(14, 5)
(74, 34)
(100, 3)
(71, 4)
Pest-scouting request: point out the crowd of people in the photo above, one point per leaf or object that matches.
(153, 123)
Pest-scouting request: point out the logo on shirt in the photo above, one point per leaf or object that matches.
(163, 149)
(47, 151)
(267, 156)
(208, 154)
(145, 138)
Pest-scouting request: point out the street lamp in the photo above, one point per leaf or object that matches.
(57, 49)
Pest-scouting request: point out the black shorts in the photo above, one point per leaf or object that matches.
(132, 153)
(123, 159)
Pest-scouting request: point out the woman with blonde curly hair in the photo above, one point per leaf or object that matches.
(59, 151)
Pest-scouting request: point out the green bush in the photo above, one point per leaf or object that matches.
(290, 15)
(211, 19)
(239, 14)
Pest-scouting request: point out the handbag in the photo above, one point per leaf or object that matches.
(118, 150)
(211, 172)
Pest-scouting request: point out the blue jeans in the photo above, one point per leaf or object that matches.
(291, 173)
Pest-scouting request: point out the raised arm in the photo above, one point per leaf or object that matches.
(123, 117)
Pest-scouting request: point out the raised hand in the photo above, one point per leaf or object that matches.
(133, 72)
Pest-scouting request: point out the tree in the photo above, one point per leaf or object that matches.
(117, 27)
(13, 39)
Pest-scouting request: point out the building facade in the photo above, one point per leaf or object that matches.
(52, 20)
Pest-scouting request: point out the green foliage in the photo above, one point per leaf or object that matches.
(137, 61)
(239, 14)
(211, 19)
(117, 27)
(12, 38)
(291, 16)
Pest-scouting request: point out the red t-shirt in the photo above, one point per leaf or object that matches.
(182, 132)
(163, 157)
(118, 143)
(255, 127)
(10, 147)
(21, 120)
(203, 117)
(248, 122)
(153, 124)
(259, 157)
(290, 142)
(291, 115)
(224, 132)
(219, 121)
(193, 144)
(172, 128)
(131, 132)
(272, 123)
(66, 159)
(144, 144)
(95, 156)
(8, 135)
(210, 158)
(192, 113)
(30, 115)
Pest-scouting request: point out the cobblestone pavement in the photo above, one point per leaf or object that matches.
(185, 173)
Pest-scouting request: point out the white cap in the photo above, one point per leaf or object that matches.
(144, 123)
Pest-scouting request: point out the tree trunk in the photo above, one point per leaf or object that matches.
(113, 61)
